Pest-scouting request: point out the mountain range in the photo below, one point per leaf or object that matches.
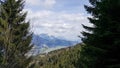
(44, 43)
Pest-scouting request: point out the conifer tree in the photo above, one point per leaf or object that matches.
(15, 38)
(102, 43)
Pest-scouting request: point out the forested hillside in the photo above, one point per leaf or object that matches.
(62, 58)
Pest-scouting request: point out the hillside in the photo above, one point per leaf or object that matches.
(62, 58)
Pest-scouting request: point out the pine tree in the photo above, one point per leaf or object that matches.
(102, 43)
(15, 38)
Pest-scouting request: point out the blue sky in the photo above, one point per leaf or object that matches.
(60, 18)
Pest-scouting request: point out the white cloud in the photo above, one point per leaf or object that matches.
(33, 2)
(41, 3)
(57, 23)
(49, 3)
(57, 17)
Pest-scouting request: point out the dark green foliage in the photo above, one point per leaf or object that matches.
(103, 42)
(15, 38)
(63, 58)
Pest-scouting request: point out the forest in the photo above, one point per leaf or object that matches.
(62, 58)
(100, 45)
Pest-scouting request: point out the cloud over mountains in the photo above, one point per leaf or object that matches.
(57, 17)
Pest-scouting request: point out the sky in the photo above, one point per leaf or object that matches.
(59, 18)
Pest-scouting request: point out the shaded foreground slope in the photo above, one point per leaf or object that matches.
(62, 58)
